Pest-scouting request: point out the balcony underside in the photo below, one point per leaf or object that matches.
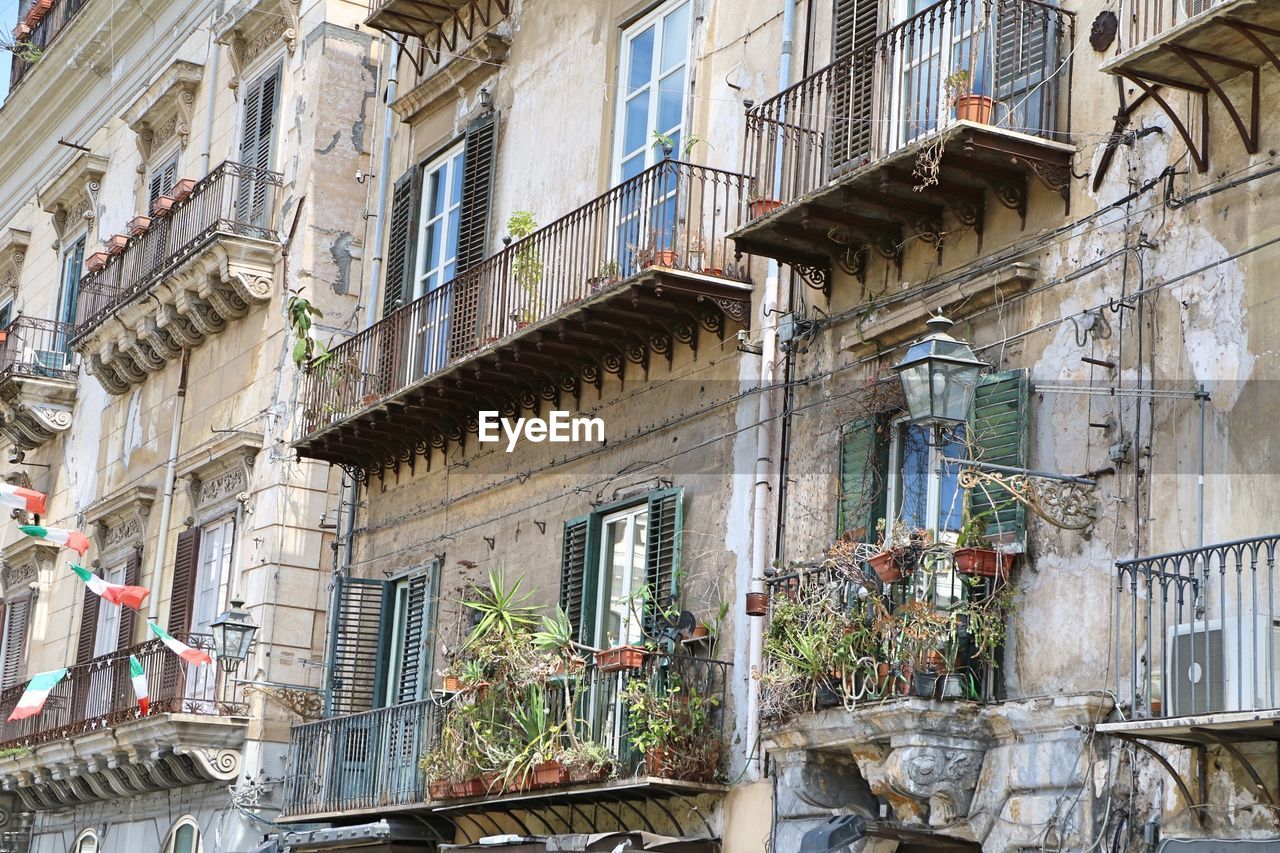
(882, 205)
(36, 409)
(438, 23)
(1202, 56)
(640, 319)
(155, 753)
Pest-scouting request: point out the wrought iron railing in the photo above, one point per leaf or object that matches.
(997, 62)
(673, 215)
(99, 694)
(28, 49)
(1198, 631)
(1144, 20)
(232, 199)
(371, 760)
(34, 347)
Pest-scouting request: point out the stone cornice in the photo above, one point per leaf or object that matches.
(74, 191)
(475, 63)
(119, 521)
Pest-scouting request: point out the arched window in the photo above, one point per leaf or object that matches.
(184, 837)
(86, 842)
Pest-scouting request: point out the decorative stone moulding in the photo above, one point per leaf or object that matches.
(252, 28)
(164, 110)
(221, 282)
(119, 522)
(13, 253)
(72, 195)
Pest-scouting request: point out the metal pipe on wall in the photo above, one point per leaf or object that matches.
(170, 478)
(764, 438)
(384, 181)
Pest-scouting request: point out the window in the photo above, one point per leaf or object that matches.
(107, 633)
(261, 106)
(161, 178)
(653, 87)
(6, 313)
(437, 258)
(86, 842)
(409, 657)
(72, 270)
(184, 838)
(619, 566)
(213, 573)
(888, 471)
(13, 640)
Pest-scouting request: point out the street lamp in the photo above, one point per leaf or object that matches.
(233, 632)
(939, 375)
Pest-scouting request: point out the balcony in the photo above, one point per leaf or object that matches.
(91, 743)
(903, 138)
(1198, 47)
(373, 763)
(621, 280)
(32, 40)
(37, 381)
(442, 25)
(1198, 655)
(197, 266)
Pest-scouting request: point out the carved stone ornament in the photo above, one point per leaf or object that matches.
(221, 475)
(119, 522)
(24, 562)
(252, 28)
(13, 252)
(72, 195)
(165, 109)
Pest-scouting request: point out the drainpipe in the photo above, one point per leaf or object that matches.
(764, 438)
(166, 502)
(210, 101)
(384, 179)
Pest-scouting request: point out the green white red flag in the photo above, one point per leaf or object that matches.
(117, 593)
(28, 499)
(139, 678)
(38, 689)
(180, 648)
(73, 539)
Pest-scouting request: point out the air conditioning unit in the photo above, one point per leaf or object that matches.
(1222, 665)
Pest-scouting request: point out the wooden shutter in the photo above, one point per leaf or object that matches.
(478, 160)
(88, 627)
(415, 646)
(578, 576)
(128, 616)
(182, 592)
(864, 464)
(853, 87)
(17, 611)
(999, 434)
(662, 555)
(400, 243)
(357, 645)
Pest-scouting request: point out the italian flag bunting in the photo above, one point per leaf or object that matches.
(139, 677)
(73, 539)
(117, 593)
(16, 496)
(180, 648)
(37, 692)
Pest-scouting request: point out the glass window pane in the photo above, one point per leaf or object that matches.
(913, 500)
(184, 840)
(640, 61)
(632, 166)
(671, 103)
(675, 37)
(636, 126)
(455, 217)
(456, 168)
(436, 193)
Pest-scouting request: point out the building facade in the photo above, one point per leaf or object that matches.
(173, 173)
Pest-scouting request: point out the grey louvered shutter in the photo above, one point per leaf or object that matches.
(17, 613)
(257, 139)
(853, 87)
(162, 181)
(128, 616)
(864, 464)
(1025, 39)
(577, 578)
(400, 242)
(357, 645)
(415, 651)
(662, 556)
(478, 160)
(999, 434)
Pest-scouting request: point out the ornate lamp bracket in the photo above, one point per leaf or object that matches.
(1066, 502)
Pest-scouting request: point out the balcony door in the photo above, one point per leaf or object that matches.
(437, 261)
(259, 120)
(106, 639)
(653, 93)
(68, 304)
(213, 575)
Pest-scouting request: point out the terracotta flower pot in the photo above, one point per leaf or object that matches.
(550, 774)
(976, 108)
(439, 789)
(664, 258)
(492, 783)
(117, 244)
(888, 567)
(452, 684)
(657, 762)
(182, 189)
(757, 603)
(139, 225)
(473, 787)
(700, 633)
(162, 206)
(96, 261)
(759, 207)
(619, 658)
(983, 562)
(21, 31)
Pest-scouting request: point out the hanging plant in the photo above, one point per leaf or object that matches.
(300, 312)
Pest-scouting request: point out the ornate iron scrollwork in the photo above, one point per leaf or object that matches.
(814, 276)
(1064, 504)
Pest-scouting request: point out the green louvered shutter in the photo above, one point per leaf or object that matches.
(480, 154)
(864, 460)
(577, 577)
(662, 555)
(999, 435)
(400, 242)
(358, 641)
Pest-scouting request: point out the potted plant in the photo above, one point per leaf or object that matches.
(182, 189)
(96, 261)
(760, 205)
(671, 728)
(526, 267)
(968, 106)
(163, 205)
(899, 551)
(974, 555)
(619, 658)
(605, 275)
(587, 761)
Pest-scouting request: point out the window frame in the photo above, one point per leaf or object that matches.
(632, 629)
(171, 840)
(107, 641)
(227, 545)
(69, 249)
(895, 488)
(657, 18)
(449, 160)
(77, 846)
(395, 600)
